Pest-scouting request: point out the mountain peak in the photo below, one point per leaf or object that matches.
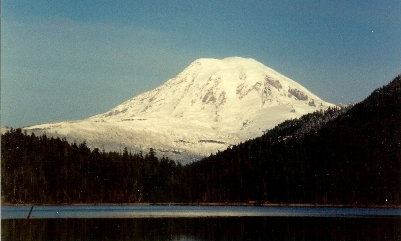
(233, 59)
(207, 85)
(226, 63)
(211, 104)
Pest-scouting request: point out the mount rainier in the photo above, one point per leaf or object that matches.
(211, 105)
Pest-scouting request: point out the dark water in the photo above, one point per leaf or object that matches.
(217, 228)
(117, 223)
(146, 211)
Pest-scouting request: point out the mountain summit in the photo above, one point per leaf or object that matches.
(209, 106)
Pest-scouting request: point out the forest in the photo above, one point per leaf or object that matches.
(346, 156)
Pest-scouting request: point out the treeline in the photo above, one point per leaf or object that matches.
(311, 122)
(340, 156)
(38, 169)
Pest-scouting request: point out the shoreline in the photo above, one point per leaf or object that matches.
(207, 204)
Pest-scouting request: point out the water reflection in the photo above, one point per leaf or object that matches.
(162, 211)
(251, 228)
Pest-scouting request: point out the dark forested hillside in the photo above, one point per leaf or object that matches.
(341, 156)
(311, 122)
(353, 159)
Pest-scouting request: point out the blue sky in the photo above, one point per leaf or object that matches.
(66, 60)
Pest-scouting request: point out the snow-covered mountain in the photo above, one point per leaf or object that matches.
(209, 106)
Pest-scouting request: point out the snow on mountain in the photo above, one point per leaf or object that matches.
(209, 106)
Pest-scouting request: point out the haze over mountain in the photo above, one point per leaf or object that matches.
(210, 105)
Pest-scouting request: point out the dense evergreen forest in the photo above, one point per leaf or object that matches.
(340, 156)
(49, 170)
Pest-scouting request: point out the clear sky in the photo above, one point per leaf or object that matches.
(66, 60)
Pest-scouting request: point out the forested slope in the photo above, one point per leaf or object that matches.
(352, 159)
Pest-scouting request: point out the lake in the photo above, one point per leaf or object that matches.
(114, 222)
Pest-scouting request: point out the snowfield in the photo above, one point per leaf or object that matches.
(211, 105)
